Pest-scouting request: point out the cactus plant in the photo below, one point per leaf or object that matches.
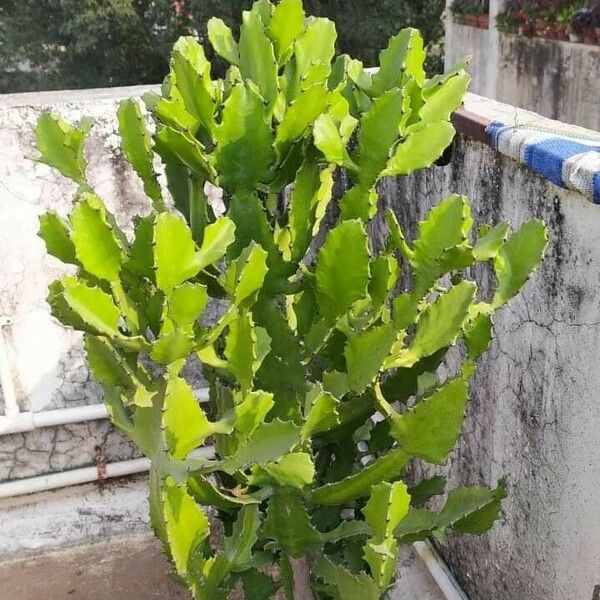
(322, 367)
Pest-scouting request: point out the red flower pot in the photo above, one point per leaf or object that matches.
(526, 28)
(483, 21)
(471, 20)
(589, 35)
(540, 26)
(561, 33)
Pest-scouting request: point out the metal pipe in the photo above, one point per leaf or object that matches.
(52, 481)
(439, 571)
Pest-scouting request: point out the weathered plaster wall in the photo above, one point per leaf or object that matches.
(470, 42)
(534, 417)
(560, 80)
(46, 360)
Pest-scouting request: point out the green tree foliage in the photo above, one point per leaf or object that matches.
(313, 343)
(57, 44)
(54, 44)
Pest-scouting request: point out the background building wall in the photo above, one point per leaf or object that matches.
(535, 411)
(557, 79)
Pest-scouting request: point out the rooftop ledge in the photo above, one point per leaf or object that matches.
(567, 155)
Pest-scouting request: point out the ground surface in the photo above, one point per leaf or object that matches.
(135, 570)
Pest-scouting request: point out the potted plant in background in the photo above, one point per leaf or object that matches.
(510, 20)
(563, 22)
(471, 14)
(595, 18)
(483, 15)
(458, 11)
(526, 15)
(539, 14)
(581, 27)
(507, 22)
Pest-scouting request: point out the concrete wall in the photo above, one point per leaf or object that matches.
(47, 361)
(470, 42)
(534, 416)
(560, 80)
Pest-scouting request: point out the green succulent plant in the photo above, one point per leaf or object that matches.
(323, 365)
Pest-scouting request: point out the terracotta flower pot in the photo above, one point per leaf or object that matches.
(471, 20)
(597, 30)
(540, 26)
(483, 21)
(526, 29)
(589, 35)
(575, 37)
(561, 32)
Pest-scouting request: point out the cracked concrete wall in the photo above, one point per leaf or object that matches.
(534, 415)
(559, 80)
(47, 361)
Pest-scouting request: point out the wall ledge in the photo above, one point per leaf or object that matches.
(61, 97)
(567, 155)
(474, 120)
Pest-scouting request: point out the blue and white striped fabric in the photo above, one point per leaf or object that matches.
(571, 162)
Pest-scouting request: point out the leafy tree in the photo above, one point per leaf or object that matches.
(57, 44)
(52, 44)
(313, 342)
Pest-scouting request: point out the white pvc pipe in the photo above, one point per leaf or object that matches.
(11, 407)
(28, 421)
(52, 481)
(439, 571)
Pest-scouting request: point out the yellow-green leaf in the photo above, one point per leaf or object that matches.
(186, 524)
(97, 247)
(431, 428)
(186, 425)
(244, 140)
(95, 307)
(519, 258)
(421, 148)
(55, 231)
(137, 147)
(221, 39)
(342, 271)
(257, 56)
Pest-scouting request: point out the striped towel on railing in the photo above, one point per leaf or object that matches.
(571, 161)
